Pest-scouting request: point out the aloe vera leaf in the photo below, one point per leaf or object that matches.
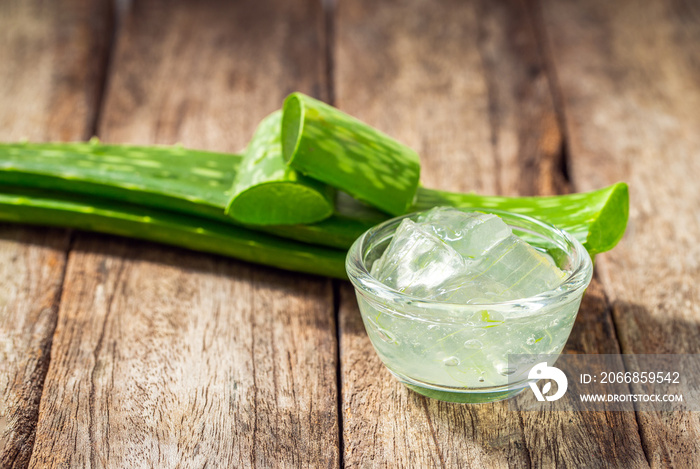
(325, 143)
(195, 182)
(42, 207)
(171, 177)
(349, 221)
(597, 219)
(266, 191)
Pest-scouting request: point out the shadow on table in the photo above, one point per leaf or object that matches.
(626, 327)
(147, 251)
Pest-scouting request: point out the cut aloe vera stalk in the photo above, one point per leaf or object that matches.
(348, 222)
(198, 183)
(169, 177)
(331, 146)
(266, 191)
(42, 207)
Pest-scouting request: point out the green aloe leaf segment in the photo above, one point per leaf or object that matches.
(42, 207)
(266, 191)
(253, 207)
(331, 146)
(198, 183)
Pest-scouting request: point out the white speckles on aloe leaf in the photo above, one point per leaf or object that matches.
(196, 186)
(331, 146)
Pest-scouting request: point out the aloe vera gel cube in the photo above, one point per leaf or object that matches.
(465, 257)
(420, 264)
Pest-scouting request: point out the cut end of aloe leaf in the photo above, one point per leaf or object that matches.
(331, 146)
(280, 203)
(609, 226)
(268, 192)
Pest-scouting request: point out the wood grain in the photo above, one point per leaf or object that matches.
(465, 84)
(31, 271)
(207, 75)
(432, 78)
(629, 80)
(52, 64)
(52, 58)
(165, 358)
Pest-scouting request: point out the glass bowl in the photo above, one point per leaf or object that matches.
(460, 352)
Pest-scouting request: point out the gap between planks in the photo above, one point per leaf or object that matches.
(113, 19)
(63, 108)
(329, 7)
(535, 14)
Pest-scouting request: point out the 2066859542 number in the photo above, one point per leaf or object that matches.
(611, 377)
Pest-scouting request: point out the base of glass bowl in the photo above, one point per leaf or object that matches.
(463, 395)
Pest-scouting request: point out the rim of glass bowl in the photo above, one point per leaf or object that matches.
(577, 280)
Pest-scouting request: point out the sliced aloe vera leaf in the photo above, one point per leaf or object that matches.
(42, 207)
(170, 177)
(266, 191)
(325, 143)
(198, 183)
(350, 219)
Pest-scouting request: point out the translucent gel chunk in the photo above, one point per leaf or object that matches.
(471, 234)
(519, 268)
(464, 257)
(420, 264)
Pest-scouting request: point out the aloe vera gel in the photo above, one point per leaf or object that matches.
(446, 295)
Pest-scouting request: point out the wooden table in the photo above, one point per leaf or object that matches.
(122, 353)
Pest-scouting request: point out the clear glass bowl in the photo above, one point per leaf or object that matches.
(459, 352)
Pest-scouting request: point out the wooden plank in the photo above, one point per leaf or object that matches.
(31, 271)
(52, 65)
(169, 358)
(464, 84)
(51, 60)
(629, 83)
(215, 70)
(586, 439)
